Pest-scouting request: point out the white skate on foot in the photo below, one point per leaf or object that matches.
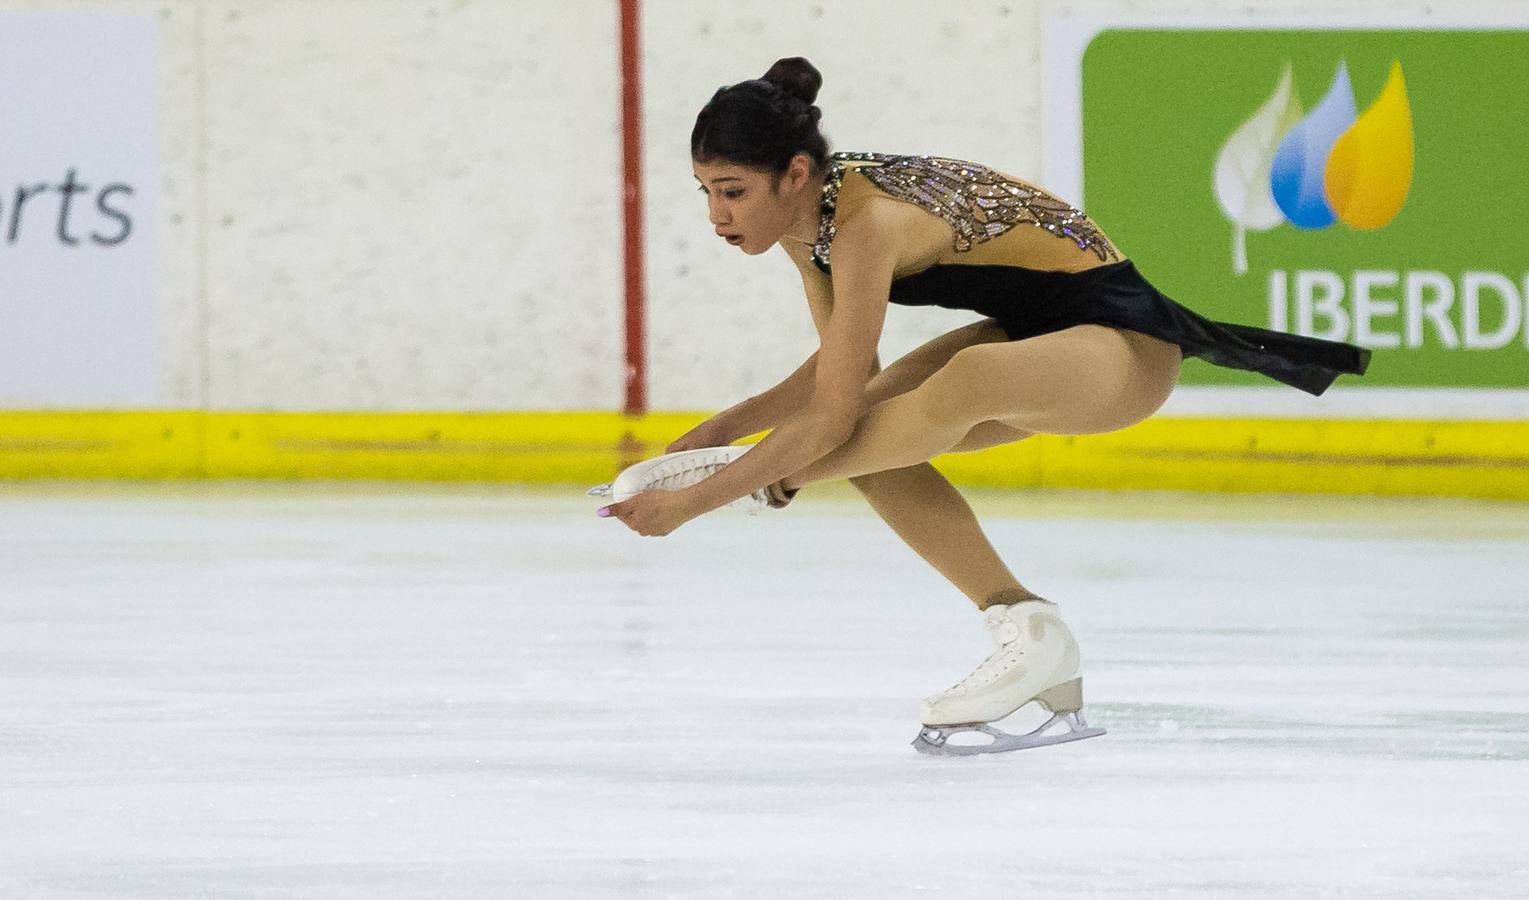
(1037, 659)
(674, 471)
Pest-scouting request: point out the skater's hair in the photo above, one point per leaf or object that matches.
(763, 122)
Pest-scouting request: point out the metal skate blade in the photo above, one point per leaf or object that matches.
(600, 490)
(934, 740)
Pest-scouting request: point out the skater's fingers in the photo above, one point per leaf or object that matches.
(629, 512)
(641, 514)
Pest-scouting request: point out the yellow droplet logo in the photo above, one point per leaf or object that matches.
(1369, 171)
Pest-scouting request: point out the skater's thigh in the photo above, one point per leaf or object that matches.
(1081, 380)
(914, 368)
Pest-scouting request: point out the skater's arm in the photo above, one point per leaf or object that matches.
(863, 266)
(765, 410)
(774, 406)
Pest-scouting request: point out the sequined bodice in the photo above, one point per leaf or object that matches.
(979, 203)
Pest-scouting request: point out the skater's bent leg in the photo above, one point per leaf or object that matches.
(914, 368)
(911, 371)
(894, 434)
(1083, 380)
(933, 519)
(988, 434)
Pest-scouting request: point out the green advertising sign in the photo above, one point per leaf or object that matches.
(1364, 186)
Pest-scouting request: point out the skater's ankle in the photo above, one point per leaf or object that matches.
(1009, 597)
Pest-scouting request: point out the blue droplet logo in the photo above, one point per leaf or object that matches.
(1296, 176)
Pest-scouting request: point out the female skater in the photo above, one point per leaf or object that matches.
(1074, 341)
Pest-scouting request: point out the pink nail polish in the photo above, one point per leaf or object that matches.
(603, 512)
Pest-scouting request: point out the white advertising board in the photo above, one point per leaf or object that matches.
(79, 197)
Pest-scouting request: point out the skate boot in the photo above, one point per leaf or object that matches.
(674, 471)
(1037, 659)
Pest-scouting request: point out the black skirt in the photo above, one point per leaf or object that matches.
(1028, 302)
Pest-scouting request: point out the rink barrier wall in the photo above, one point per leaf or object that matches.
(1481, 459)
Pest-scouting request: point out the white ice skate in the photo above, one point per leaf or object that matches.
(674, 471)
(1037, 659)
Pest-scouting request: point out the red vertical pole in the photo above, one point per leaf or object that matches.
(631, 208)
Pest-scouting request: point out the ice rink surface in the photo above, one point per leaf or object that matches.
(374, 691)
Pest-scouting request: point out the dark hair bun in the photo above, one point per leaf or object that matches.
(797, 77)
(764, 122)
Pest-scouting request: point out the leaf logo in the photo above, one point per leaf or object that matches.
(1330, 165)
(1242, 167)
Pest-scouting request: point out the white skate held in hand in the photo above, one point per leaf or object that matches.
(675, 471)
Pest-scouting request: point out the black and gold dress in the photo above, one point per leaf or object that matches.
(1031, 284)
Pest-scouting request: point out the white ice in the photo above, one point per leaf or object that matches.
(374, 691)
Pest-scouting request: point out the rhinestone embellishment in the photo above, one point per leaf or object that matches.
(977, 202)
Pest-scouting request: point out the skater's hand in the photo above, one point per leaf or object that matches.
(652, 513)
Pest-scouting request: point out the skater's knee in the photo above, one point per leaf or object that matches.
(873, 484)
(865, 484)
(955, 396)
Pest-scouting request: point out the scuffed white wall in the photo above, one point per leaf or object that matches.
(415, 204)
(412, 205)
(387, 204)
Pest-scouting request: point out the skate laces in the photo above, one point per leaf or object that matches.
(683, 472)
(676, 473)
(1006, 633)
(1001, 625)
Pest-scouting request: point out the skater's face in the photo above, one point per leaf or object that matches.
(752, 208)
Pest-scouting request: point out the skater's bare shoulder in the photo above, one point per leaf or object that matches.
(870, 222)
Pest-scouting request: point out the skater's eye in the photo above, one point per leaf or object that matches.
(729, 193)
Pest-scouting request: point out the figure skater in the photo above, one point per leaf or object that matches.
(1073, 341)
